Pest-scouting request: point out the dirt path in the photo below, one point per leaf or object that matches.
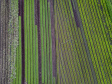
(4, 41)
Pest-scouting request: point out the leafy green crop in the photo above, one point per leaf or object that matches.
(109, 7)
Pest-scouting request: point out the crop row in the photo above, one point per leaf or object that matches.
(94, 30)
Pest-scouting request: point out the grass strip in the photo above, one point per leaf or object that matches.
(12, 78)
(25, 35)
(28, 40)
(44, 29)
(20, 54)
(54, 80)
(33, 44)
(17, 68)
(30, 34)
(36, 55)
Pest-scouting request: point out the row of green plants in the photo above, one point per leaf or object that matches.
(66, 46)
(95, 30)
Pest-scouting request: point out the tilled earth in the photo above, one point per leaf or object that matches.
(8, 31)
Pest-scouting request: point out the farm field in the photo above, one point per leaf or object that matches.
(55, 42)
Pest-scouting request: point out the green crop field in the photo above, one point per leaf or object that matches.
(56, 42)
